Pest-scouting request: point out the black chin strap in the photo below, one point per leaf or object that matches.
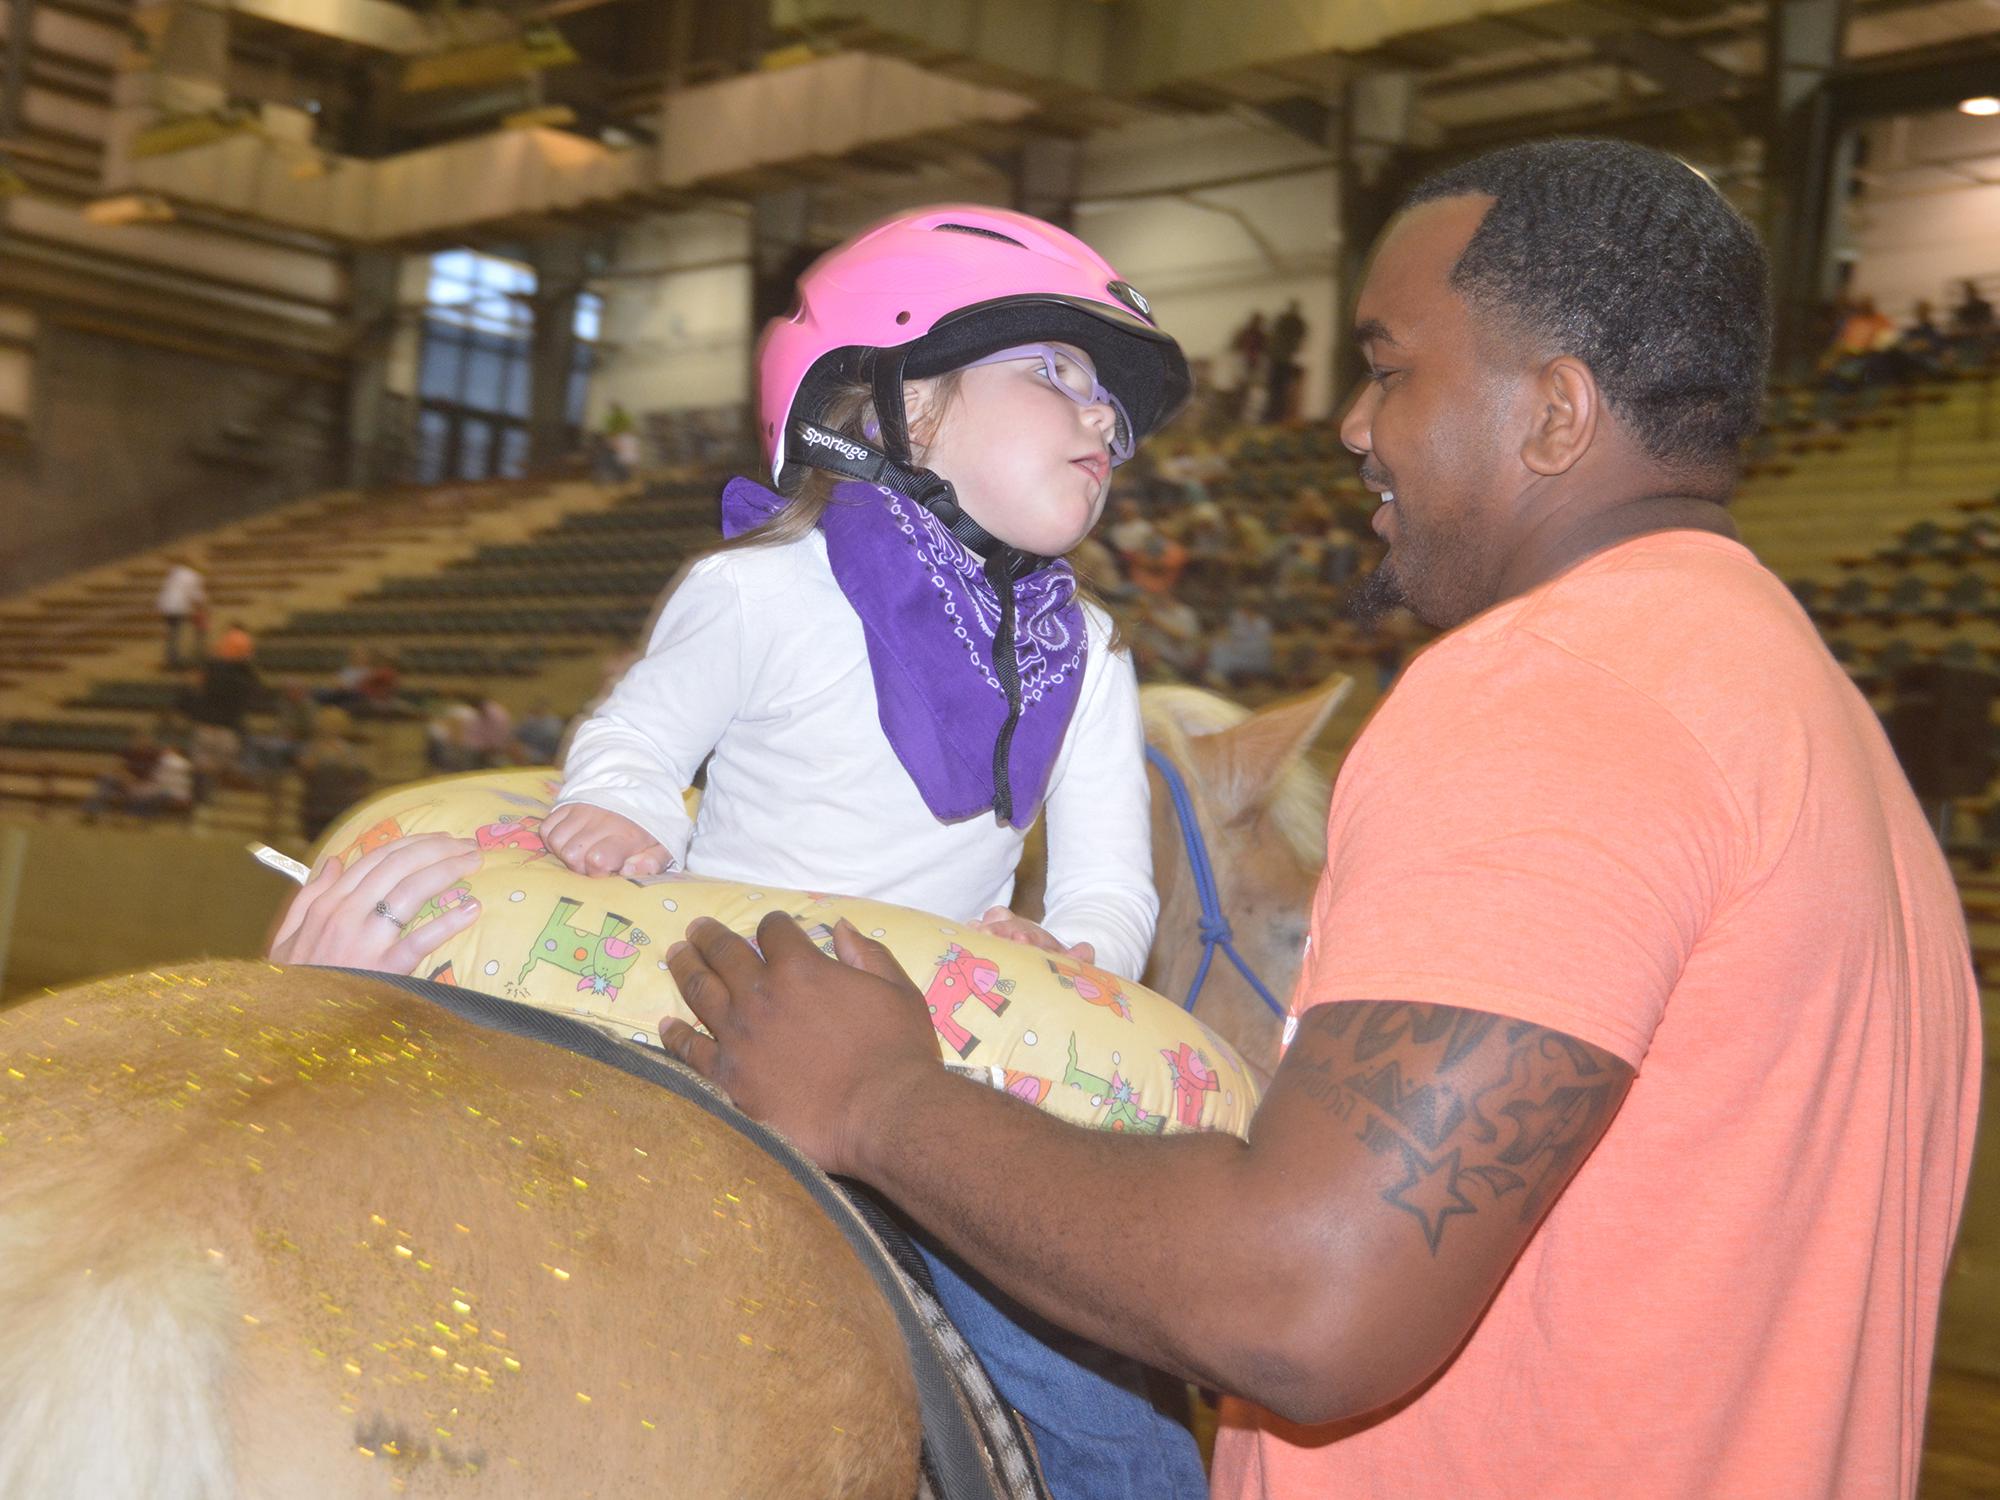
(820, 447)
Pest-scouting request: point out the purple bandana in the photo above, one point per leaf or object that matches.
(929, 615)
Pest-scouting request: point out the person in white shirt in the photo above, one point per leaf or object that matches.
(889, 673)
(181, 600)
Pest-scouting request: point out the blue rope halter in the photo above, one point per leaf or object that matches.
(1215, 931)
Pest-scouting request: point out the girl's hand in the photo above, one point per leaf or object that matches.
(597, 841)
(1002, 922)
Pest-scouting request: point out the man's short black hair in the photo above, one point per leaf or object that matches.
(1630, 260)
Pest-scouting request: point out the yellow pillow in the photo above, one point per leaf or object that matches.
(1069, 1038)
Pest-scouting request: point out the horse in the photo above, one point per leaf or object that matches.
(1260, 803)
(274, 1232)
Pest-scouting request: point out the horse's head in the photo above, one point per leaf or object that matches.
(1262, 807)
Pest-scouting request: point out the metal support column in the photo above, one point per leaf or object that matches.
(562, 266)
(374, 451)
(14, 80)
(1045, 172)
(1801, 184)
(781, 247)
(1371, 139)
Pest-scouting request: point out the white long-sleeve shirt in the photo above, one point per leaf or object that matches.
(758, 657)
(181, 591)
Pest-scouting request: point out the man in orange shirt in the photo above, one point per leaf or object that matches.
(1625, 1128)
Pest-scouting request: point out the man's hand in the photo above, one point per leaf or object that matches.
(1002, 921)
(812, 1045)
(596, 841)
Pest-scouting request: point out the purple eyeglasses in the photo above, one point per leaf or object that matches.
(1077, 381)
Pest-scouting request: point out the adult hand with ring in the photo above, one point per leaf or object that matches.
(353, 916)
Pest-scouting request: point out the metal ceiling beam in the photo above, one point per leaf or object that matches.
(1925, 79)
(378, 25)
(1311, 120)
(737, 137)
(14, 82)
(1681, 71)
(1171, 41)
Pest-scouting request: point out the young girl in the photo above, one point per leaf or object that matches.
(891, 674)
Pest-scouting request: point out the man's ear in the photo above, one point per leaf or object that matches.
(1567, 408)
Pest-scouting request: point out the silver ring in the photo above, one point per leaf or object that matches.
(382, 910)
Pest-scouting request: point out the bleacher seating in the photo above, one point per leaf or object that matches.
(521, 588)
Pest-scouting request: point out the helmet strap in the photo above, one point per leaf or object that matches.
(820, 447)
(886, 376)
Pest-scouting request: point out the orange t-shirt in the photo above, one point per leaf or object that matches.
(1642, 805)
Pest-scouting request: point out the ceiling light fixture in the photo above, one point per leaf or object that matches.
(1985, 104)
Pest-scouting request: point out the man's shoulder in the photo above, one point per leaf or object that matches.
(1687, 606)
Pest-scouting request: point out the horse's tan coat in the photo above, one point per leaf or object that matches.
(400, 1254)
(1262, 803)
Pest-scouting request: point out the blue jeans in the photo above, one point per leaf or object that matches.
(1096, 1431)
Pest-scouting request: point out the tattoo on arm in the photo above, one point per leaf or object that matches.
(1479, 1112)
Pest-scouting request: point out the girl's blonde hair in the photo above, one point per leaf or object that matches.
(849, 411)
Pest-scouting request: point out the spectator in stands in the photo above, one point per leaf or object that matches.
(1204, 533)
(1099, 569)
(182, 603)
(1857, 363)
(367, 684)
(1288, 338)
(1168, 641)
(1130, 531)
(275, 749)
(1156, 567)
(1341, 557)
(452, 740)
(152, 780)
(1301, 565)
(1191, 468)
(1865, 331)
(1972, 326)
(1310, 514)
(332, 777)
(1251, 542)
(1249, 344)
(228, 687)
(1924, 349)
(347, 681)
(493, 732)
(539, 734)
(1243, 652)
(618, 448)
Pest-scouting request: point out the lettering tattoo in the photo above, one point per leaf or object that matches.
(1476, 1113)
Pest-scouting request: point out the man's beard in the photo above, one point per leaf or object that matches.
(1378, 594)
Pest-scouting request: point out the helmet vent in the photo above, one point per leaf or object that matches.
(991, 234)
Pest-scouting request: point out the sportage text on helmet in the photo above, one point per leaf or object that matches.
(937, 288)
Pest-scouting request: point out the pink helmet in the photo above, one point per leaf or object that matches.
(937, 288)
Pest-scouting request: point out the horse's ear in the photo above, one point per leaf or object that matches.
(1242, 767)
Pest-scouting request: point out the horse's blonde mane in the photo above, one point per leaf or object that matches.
(1173, 715)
